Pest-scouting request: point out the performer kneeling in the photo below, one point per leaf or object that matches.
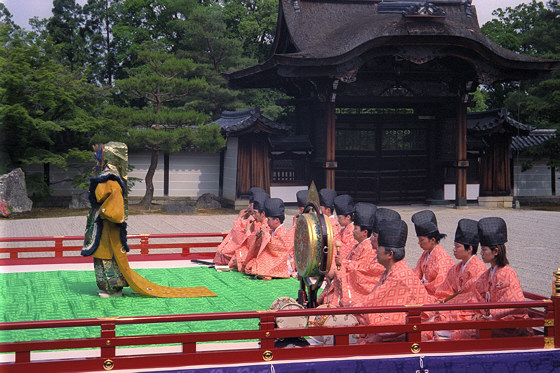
(499, 283)
(276, 245)
(461, 278)
(353, 277)
(398, 285)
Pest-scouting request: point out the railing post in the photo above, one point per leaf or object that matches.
(556, 308)
(23, 356)
(144, 244)
(108, 333)
(186, 250)
(413, 318)
(58, 249)
(267, 324)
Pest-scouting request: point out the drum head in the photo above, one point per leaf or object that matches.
(292, 321)
(337, 320)
(281, 302)
(308, 244)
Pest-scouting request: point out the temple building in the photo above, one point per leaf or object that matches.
(380, 91)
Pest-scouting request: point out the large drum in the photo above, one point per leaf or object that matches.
(313, 239)
(331, 321)
(287, 303)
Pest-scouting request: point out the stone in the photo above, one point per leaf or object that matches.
(14, 191)
(208, 201)
(178, 208)
(79, 200)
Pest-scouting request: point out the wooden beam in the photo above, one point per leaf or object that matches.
(330, 164)
(462, 163)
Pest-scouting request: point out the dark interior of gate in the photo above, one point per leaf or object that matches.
(382, 158)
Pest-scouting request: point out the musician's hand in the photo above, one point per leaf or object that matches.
(337, 244)
(295, 219)
(338, 261)
(244, 214)
(251, 227)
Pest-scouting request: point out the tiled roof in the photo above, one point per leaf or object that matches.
(495, 121)
(536, 137)
(235, 123)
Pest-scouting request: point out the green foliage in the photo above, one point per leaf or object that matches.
(531, 29)
(479, 97)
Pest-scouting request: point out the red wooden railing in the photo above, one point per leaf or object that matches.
(59, 245)
(106, 344)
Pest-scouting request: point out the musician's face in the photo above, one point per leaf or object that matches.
(460, 252)
(344, 220)
(273, 223)
(426, 243)
(373, 240)
(383, 257)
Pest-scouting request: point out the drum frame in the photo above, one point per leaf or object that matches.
(307, 295)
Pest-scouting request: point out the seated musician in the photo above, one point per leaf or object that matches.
(435, 262)
(353, 277)
(275, 246)
(226, 249)
(461, 278)
(326, 200)
(381, 213)
(398, 285)
(344, 240)
(301, 197)
(249, 238)
(499, 283)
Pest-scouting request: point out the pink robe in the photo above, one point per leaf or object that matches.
(459, 279)
(346, 237)
(503, 286)
(464, 280)
(250, 240)
(432, 272)
(227, 248)
(272, 259)
(334, 224)
(399, 286)
(358, 275)
(499, 287)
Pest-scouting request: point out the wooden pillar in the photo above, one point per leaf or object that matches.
(330, 164)
(462, 163)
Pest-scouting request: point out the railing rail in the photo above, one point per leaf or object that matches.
(266, 334)
(59, 245)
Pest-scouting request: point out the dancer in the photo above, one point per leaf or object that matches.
(105, 236)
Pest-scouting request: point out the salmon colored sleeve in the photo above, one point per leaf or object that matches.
(109, 194)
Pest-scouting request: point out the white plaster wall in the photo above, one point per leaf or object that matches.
(193, 174)
(286, 193)
(535, 181)
(230, 169)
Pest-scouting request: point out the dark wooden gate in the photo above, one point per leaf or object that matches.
(382, 155)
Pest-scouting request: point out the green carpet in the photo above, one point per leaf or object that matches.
(60, 295)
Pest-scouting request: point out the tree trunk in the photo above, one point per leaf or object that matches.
(147, 199)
